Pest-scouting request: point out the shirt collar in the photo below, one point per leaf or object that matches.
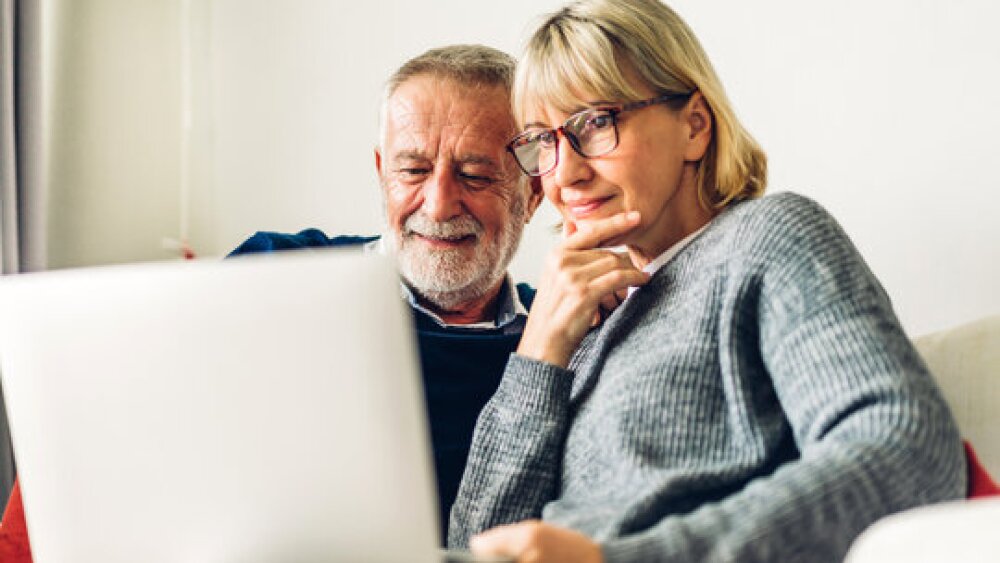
(668, 255)
(509, 308)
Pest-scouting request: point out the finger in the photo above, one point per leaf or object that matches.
(616, 280)
(609, 303)
(597, 294)
(577, 277)
(502, 540)
(568, 228)
(597, 263)
(562, 259)
(600, 232)
(597, 319)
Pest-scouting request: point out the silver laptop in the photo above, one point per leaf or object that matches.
(263, 409)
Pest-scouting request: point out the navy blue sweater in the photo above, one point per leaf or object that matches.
(447, 356)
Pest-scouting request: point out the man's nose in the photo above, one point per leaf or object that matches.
(442, 196)
(571, 168)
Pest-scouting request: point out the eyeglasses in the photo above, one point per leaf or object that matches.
(592, 132)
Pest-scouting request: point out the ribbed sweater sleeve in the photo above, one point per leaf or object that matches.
(512, 470)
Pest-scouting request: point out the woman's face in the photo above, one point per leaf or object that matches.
(652, 171)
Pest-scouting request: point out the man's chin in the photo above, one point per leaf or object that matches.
(450, 275)
(439, 270)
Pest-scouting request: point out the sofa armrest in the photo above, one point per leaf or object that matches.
(955, 531)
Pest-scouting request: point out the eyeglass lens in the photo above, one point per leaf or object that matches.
(591, 133)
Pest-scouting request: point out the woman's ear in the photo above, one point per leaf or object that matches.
(698, 118)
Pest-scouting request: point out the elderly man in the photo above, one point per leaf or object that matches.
(456, 205)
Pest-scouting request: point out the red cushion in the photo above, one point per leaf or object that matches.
(980, 482)
(14, 546)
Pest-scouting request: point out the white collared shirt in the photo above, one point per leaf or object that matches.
(509, 306)
(668, 254)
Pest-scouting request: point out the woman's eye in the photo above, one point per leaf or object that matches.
(599, 121)
(546, 137)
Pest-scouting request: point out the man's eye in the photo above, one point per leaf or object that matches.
(477, 182)
(413, 172)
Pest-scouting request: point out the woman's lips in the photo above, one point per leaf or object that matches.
(583, 208)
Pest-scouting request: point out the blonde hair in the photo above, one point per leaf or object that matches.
(585, 49)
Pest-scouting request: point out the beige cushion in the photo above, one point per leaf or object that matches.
(964, 531)
(966, 361)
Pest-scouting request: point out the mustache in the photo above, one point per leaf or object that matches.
(455, 228)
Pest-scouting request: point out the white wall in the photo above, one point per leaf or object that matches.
(295, 99)
(886, 112)
(111, 99)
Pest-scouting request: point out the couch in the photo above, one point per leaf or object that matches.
(966, 363)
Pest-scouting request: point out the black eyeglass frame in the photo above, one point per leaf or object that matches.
(574, 142)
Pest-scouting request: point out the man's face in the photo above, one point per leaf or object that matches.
(455, 200)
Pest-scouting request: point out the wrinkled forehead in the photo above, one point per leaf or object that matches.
(425, 110)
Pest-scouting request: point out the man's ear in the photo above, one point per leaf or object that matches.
(698, 118)
(535, 199)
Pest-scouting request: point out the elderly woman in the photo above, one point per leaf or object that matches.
(755, 399)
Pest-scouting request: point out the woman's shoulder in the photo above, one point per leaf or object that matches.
(784, 235)
(780, 209)
(783, 218)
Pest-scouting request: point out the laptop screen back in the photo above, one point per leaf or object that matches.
(254, 410)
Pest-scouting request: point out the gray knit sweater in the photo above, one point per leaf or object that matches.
(757, 400)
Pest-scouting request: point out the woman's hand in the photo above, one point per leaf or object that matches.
(533, 541)
(579, 278)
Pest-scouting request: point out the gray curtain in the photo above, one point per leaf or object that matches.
(22, 221)
(8, 207)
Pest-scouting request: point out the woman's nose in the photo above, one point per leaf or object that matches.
(571, 168)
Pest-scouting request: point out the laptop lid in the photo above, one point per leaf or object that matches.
(256, 410)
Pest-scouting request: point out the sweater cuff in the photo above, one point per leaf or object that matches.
(531, 385)
(643, 547)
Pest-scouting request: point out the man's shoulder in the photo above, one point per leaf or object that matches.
(268, 241)
(526, 294)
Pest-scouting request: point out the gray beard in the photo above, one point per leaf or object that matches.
(453, 277)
